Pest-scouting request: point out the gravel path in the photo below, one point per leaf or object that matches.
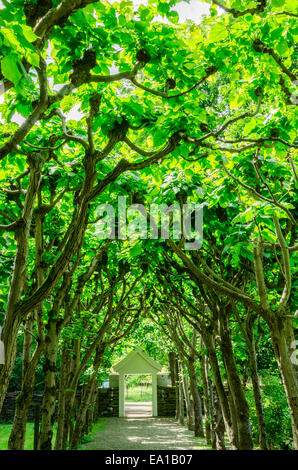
(144, 433)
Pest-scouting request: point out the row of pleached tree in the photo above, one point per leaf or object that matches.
(169, 113)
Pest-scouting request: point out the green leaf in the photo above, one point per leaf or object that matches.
(32, 58)
(10, 38)
(9, 67)
(278, 3)
(28, 33)
(282, 47)
(189, 172)
(136, 250)
(173, 16)
(218, 32)
(163, 8)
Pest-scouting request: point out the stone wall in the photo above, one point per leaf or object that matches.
(7, 413)
(166, 401)
(108, 402)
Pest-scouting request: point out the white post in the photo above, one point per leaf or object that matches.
(121, 395)
(154, 394)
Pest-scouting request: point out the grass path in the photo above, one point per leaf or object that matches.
(138, 393)
(143, 434)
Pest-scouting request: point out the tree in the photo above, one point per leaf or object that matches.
(169, 113)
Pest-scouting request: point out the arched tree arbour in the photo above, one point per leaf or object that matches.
(193, 113)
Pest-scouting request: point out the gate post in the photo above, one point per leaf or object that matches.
(121, 395)
(154, 394)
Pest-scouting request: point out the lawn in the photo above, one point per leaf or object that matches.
(5, 430)
(138, 393)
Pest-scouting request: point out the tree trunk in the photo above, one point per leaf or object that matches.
(177, 414)
(284, 346)
(23, 401)
(212, 413)
(172, 367)
(17, 435)
(233, 414)
(71, 386)
(180, 396)
(65, 362)
(206, 398)
(36, 427)
(86, 401)
(219, 426)
(189, 411)
(241, 406)
(196, 400)
(49, 397)
(70, 399)
(12, 320)
(232, 435)
(251, 348)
